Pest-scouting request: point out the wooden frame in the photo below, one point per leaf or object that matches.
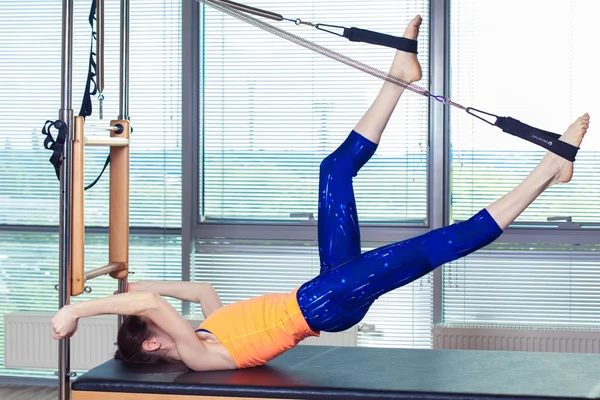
(77, 216)
(118, 234)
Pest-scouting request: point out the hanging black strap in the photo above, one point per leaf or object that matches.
(548, 140)
(91, 185)
(91, 88)
(57, 145)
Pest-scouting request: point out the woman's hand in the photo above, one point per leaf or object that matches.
(64, 323)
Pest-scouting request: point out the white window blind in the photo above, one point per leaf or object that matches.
(539, 73)
(242, 269)
(30, 48)
(30, 94)
(536, 69)
(531, 284)
(272, 110)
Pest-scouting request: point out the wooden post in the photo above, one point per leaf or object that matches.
(118, 233)
(77, 216)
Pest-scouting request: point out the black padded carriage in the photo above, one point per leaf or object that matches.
(315, 372)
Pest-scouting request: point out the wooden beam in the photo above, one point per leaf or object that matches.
(118, 232)
(77, 220)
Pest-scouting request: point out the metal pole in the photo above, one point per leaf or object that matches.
(100, 45)
(439, 149)
(124, 73)
(100, 55)
(190, 136)
(66, 176)
(124, 93)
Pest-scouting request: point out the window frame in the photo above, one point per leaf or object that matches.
(560, 232)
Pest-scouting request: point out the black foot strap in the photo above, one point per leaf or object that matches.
(381, 39)
(371, 37)
(548, 140)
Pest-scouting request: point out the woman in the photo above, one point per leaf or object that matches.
(254, 331)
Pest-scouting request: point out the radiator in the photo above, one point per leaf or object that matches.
(532, 339)
(28, 341)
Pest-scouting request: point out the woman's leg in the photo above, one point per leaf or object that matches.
(338, 230)
(336, 299)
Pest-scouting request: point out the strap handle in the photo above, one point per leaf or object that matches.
(366, 36)
(381, 39)
(548, 140)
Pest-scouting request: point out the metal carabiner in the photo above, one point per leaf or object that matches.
(298, 21)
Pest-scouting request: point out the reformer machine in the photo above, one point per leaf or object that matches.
(305, 372)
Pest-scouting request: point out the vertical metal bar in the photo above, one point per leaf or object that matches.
(124, 62)
(190, 26)
(124, 92)
(100, 45)
(121, 288)
(66, 114)
(439, 144)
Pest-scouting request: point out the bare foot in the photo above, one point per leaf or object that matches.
(573, 135)
(406, 65)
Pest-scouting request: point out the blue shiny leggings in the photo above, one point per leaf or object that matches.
(349, 282)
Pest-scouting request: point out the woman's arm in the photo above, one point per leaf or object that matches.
(193, 351)
(134, 303)
(199, 292)
(65, 320)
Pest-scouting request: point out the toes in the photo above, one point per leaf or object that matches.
(412, 30)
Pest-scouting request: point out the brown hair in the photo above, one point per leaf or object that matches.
(132, 335)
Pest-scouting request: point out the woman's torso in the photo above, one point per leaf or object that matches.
(257, 330)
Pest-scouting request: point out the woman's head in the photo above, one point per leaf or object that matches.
(139, 341)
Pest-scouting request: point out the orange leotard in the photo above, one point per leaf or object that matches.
(257, 330)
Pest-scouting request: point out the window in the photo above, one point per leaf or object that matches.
(270, 112)
(529, 82)
(545, 81)
(30, 45)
